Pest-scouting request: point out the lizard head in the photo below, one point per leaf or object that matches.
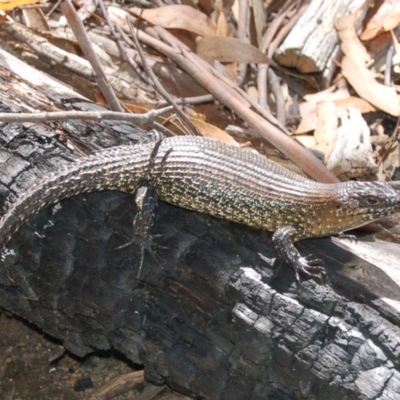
(362, 202)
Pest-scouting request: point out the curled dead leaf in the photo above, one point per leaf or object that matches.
(229, 49)
(358, 75)
(178, 16)
(212, 131)
(387, 17)
(309, 120)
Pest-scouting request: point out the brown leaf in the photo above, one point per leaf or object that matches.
(358, 75)
(6, 5)
(229, 49)
(333, 93)
(385, 18)
(309, 121)
(178, 16)
(223, 28)
(354, 102)
(34, 18)
(325, 133)
(213, 131)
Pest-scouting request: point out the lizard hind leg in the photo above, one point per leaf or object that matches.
(146, 204)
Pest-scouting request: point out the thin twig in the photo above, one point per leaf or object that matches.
(121, 44)
(185, 120)
(231, 98)
(128, 44)
(163, 129)
(80, 33)
(278, 94)
(243, 35)
(55, 6)
(264, 47)
(388, 69)
(140, 119)
(202, 65)
(207, 98)
(237, 130)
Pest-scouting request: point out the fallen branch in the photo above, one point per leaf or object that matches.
(140, 119)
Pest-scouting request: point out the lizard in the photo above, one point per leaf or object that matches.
(228, 182)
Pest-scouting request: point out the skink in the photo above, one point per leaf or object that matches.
(227, 182)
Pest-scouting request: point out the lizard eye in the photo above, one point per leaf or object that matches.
(372, 201)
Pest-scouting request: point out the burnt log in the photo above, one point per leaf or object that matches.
(206, 316)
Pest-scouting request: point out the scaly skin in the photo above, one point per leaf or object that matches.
(228, 182)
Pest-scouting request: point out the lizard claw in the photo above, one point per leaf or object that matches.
(145, 243)
(146, 203)
(312, 260)
(310, 266)
(342, 235)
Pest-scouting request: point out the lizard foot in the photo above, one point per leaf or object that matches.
(310, 266)
(342, 235)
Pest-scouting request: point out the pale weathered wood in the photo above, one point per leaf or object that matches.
(313, 42)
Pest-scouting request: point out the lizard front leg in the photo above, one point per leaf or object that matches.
(283, 240)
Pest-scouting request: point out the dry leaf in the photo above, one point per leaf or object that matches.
(356, 72)
(387, 17)
(333, 93)
(223, 28)
(307, 141)
(10, 5)
(224, 5)
(135, 108)
(206, 129)
(229, 49)
(212, 131)
(178, 16)
(34, 18)
(354, 102)
(206, 5)
(326, 130)
(309, 121)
